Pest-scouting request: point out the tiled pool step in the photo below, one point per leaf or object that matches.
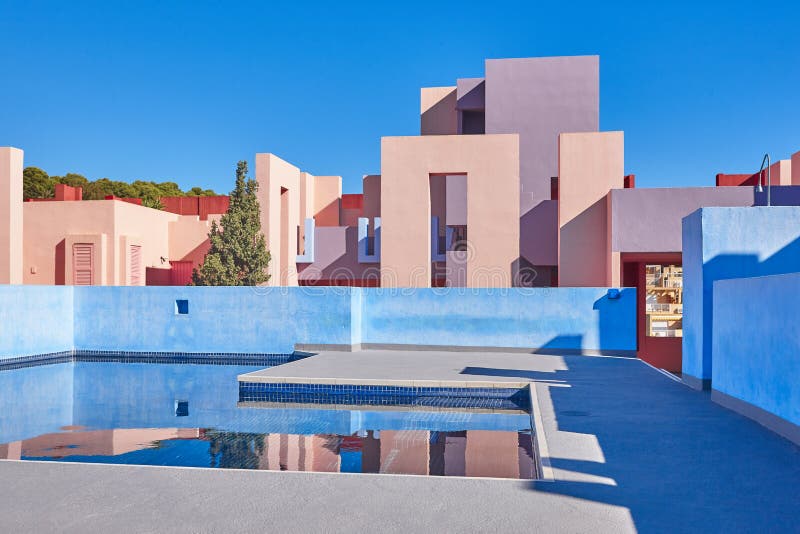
(515, 397)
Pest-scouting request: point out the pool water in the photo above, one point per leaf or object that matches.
(189, 415)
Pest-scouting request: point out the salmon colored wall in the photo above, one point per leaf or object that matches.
(492, 454)
(47, 225)
(438, 115)
(796, 168)
(590, 164)
(50, 225)
(327, 200)
(306, 205)
(405, 451)
(274, 174)
(11, 215)
(491, 163)
(188, 238)
(150, 227)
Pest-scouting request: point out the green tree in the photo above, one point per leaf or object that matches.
(238, 255)
(72, 179)
(37, 184)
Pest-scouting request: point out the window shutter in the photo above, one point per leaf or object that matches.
(83, 264)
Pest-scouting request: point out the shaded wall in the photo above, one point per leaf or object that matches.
(724, 243)
(35, 320)
(438, 111)
(649, 220)
(540, 98)
(590, 165)
(756, 342)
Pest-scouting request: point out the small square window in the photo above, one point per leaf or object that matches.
(181, 408)
(181, 307)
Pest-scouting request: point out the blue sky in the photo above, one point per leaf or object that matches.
(181, 91)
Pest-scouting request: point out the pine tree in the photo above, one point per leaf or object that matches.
(238, 255)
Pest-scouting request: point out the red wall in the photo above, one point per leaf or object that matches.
(201, 206)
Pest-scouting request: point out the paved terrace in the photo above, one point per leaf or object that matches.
(629, 449)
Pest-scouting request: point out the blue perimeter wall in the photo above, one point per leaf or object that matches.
(756, 342)
(35, 320)
(40, 319)
(726, 243)
(552, 318)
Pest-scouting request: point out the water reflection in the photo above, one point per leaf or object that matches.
(476, 453)
(132, 413)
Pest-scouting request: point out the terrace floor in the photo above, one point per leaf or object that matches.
(628, 449)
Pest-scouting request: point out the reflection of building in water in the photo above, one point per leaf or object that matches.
(93, 442)
(476, 453)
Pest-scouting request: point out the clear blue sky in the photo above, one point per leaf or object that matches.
(181, 91)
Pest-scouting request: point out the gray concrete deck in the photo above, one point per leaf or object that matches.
(629, 448)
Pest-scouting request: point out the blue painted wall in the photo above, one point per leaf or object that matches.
(35, 320)
(756, 342)
(38, 319)
(726, 243)
(554, 318)
(220, 319)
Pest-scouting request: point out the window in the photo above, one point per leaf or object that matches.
(664, 300)
(181, 307)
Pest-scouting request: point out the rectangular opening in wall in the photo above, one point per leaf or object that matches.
(181, 307)
(664, 300)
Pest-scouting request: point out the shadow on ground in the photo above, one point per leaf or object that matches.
(679, 462)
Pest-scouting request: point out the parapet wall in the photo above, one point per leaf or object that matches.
(44, 319)
(756, 342)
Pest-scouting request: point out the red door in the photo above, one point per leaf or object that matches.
(658, 279)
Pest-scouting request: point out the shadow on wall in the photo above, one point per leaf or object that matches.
(60, 266)
(336, 261)
(729, 266)
(610, 323)
(629, 437)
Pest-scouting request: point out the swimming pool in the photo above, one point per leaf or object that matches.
(190, 415)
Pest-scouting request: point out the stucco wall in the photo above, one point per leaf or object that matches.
(540, 98)
(491, 163)
(336, 258)
(220, 319)
(589, 166)
(547, 318)
(35, 320)
(280, 215)
(649, 220)
(438, 111)
(11, 218)
(756, 342)
(723, 243)
(49, 225)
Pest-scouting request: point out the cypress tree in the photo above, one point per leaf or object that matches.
(238, 255)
